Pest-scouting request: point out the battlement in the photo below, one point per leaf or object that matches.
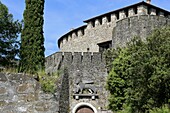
(72, 34)
(78, 60)
(141, 26)
(104, 23)
(84, 66)
(141, 8)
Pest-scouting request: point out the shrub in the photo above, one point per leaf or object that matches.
(48, 82)
(163, 109)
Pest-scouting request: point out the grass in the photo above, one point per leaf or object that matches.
(48, 82)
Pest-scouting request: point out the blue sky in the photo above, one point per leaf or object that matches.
(62, 15)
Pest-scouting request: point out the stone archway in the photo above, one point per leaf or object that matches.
(84, 108)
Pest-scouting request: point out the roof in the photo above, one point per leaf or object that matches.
(124, 8)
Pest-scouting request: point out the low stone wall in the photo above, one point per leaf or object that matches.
(20, 93)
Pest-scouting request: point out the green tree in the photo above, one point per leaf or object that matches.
(32, 39)
(9, 31)
(140, 75)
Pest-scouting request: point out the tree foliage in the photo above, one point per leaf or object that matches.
(140, 75)
(9, 31)
(32, 39)
(163, 109)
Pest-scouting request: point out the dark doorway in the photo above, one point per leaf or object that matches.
(84, 109)
(104, 45)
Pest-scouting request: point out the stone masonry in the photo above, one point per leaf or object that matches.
(20, 93)
(82, 83)
(85, 66)
(141, 26)
(100, 29)
(79, 53)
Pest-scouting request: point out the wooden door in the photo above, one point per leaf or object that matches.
(84, 109)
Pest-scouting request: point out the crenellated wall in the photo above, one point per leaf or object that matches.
(85, 66)
(100, 29)
(141, 26)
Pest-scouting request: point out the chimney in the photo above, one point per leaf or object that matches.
(148, 1)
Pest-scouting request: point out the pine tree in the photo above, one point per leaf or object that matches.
(9, 31)
(32, 39)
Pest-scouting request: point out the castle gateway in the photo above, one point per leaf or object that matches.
(82, 84)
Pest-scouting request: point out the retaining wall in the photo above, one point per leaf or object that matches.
(20, 93)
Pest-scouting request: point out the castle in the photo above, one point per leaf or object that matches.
(103, 31)
(82, 87)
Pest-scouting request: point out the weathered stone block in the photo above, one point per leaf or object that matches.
(25, 88)
(113, 17)
(3, 103)
(142, 10)
(122, 15)
(3, 78)
(97, 22)
(29, 97)
(2, 90)
(153, 11)
(104, 20)
(131, 12)
(42, 107)
(18, 77)
(43, 96)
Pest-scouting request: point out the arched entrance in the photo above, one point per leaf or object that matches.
(83, 107)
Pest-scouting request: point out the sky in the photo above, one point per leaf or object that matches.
(62, 15)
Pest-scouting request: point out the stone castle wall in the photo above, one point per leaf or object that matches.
(80, 60)
(20, 93)
(100, 29)
(87, 41)
(141, 26)
(80, 53)
(85, 66)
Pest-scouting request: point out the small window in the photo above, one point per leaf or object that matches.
(88, 49)
(104, 46)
